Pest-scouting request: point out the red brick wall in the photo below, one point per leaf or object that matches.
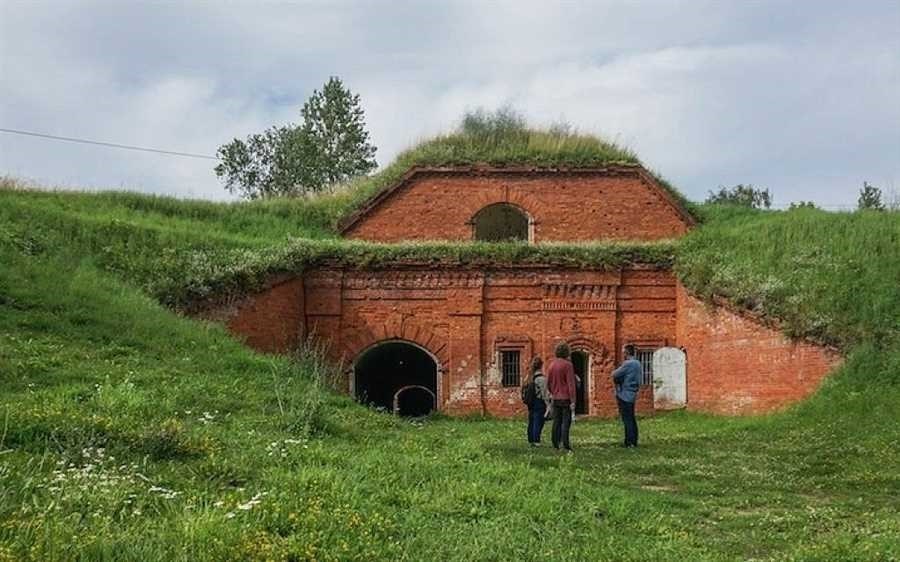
(464, 317)
(737, 366)
(563, 206)
(271, 321)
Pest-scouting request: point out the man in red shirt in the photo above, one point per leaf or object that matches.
(561, 383)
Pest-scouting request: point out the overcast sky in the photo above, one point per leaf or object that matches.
(799, 97)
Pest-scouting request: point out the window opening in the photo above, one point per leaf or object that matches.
(501, 222)
(510, 367)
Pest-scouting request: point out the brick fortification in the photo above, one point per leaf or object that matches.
(468, 323)
(464, 319)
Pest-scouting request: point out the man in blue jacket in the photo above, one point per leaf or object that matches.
(627, 380)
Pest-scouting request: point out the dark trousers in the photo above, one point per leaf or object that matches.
(626, 411)
(562, 421)
(536, 421)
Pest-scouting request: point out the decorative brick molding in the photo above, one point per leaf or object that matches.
(413, 280)
(569, 296)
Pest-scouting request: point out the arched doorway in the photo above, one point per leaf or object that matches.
(581, 360)
(397, 374)
(414, 400)
(501, 222)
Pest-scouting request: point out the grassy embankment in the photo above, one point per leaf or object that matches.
(130, 433)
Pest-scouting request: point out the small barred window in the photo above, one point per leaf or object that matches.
(510, 367)
(645, 356)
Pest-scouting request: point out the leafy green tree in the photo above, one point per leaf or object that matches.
(741, 195)
(802, 205)
(869, 198)
(331, 145)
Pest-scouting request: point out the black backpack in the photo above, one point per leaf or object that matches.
(529, 393)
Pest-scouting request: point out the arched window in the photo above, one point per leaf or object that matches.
(501, 222)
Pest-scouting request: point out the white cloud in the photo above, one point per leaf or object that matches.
(797, 98)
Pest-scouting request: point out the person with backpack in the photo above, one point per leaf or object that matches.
(537, 398)
(627, 380)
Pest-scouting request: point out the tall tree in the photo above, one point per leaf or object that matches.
(869, 198)
(742, 195)
(329, 146)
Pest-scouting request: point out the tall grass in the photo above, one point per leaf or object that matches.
(185, 252)
(829, 277)
(130, 433)
(501, 138)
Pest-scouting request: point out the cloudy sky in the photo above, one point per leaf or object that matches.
(802, 97)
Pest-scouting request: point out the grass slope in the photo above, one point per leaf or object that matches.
(183, 252)
(129, 433)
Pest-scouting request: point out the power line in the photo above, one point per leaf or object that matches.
(107, 144)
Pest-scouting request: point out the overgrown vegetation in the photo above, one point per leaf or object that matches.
(130, 433)
(829, 277)
(501, 138)
(869, 198)
(742, 196)
(185, 252)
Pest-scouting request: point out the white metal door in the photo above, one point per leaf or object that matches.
(669, 379)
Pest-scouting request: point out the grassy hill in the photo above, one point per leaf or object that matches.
(128, 432)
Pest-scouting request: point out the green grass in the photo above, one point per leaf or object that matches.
(499, 139)
(128, 432)
(828, 277)
(186, 252)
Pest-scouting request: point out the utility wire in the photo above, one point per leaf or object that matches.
(108, 144)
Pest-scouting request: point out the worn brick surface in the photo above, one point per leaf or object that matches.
(272, 321)
(464, 317)
(737, 366)
(562, 206)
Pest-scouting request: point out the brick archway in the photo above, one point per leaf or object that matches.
(599, 353)
(357, 340)
(525, 201)
(600, 366)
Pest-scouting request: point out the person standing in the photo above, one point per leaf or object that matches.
(537, 398)
(627, 381)
(561, 383)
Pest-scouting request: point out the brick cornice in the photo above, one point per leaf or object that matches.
(350, 221)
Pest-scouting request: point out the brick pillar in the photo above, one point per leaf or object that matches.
(462, 390)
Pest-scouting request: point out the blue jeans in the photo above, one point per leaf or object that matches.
(626, 411)
(536, 420)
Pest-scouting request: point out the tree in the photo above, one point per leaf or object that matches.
(802, 205)
(331, 145)
(742, 195)
(869, 198)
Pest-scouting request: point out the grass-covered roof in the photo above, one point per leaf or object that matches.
(497, 139)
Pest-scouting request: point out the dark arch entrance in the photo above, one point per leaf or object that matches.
(397, 374)
(414, 401)
(501, 222)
